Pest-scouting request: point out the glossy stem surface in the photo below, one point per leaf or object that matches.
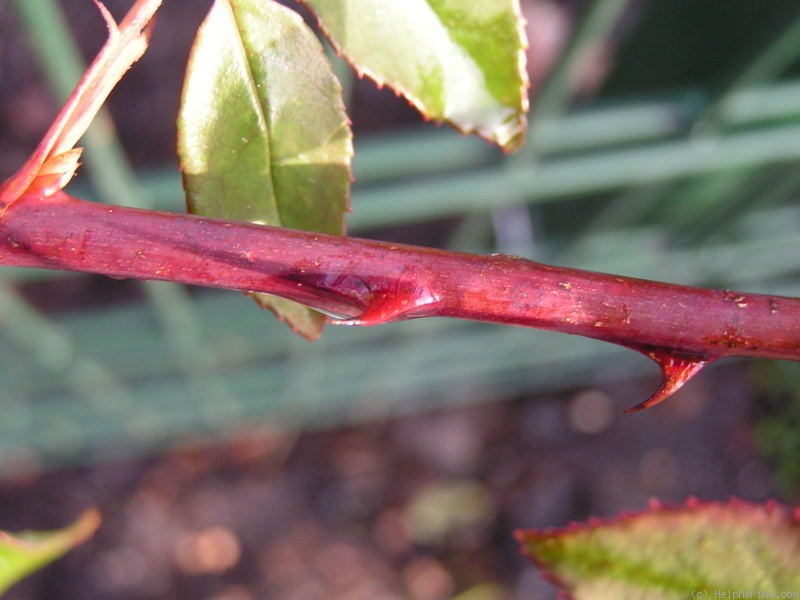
(369, 282)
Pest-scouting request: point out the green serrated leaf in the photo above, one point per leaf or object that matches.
(263, 133)
(459, 61)
(702, 550)
(26, 552)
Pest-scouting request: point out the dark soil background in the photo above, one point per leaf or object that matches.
(421, 507)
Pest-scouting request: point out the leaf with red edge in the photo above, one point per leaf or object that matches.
(263, 133)
(55, 160)
(459, 61)
(699, 550)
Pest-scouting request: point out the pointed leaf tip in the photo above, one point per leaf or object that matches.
(263, 133)
(676, 369)
(455, 61)
(23, 553)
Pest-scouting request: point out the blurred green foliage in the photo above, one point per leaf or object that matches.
(777, 429)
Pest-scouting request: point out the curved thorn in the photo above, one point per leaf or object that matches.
(394, 305)
(677, 369)
(382, 309)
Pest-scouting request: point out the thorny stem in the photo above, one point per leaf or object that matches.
(362, 282)
(55, 160)
(368, 282)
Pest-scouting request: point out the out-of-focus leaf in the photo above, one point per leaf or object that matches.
(702, 550)
(263, 133)
(453, 59)
(441, 508)
(26, 552)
